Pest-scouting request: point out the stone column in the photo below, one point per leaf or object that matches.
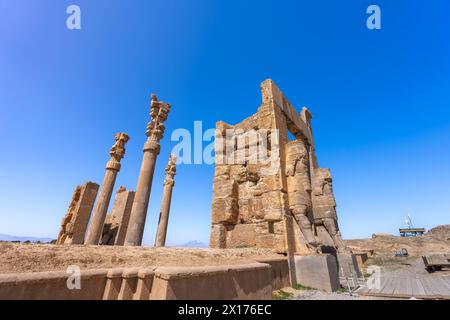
(165, 205)
(155, 131)
(117, 152)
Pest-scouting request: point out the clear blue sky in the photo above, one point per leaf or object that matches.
(380, 100)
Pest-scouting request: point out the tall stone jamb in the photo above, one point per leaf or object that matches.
(155, 130)
(117, 152)
(124, 207)
(169, 183)
(116, 224)
(74, 223)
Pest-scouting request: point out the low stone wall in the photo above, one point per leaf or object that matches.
(52, 286)
(247, 281)
(279, 272)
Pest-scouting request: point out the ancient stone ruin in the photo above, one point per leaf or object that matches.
(116, 223)
(155, 131)
(125, 224)
(117, 152)
(268, 189)
(268, 192)
(169, 183)
(74, 223)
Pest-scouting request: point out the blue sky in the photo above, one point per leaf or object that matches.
(380, 100)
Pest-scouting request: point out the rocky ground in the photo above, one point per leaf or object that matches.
(437, 240)
(16, 258)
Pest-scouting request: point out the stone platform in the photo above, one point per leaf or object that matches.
(251, 281)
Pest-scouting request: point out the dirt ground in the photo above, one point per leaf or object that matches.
(17, 258)
(437, 240)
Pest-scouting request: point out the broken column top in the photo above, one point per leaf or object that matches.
(117, 151)
(171, 170)
(159, 112)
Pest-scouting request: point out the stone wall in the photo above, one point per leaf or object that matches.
(246, 281)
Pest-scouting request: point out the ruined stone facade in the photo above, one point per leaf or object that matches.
(116, 223)
(263, 183)
(74, 223)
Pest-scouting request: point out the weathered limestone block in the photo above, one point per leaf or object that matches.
(225, 210)
(222, 171)
(218, 238)
(74, 223)
(245, 210)
(123, 209)
(116, 223)
(251, 209)
(272, 200)
(317, 271)
(225, 188)
(251, 281)
(240, 236)
(269, 183)
(271, 241)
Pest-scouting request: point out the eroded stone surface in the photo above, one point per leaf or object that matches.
(74, 223)
(116, 223)
(268, 192)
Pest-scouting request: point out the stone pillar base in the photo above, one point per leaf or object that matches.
(317, 271)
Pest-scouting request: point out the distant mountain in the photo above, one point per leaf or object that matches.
(7, 237)
(194, 244)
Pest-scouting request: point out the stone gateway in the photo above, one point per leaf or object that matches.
(268, 188)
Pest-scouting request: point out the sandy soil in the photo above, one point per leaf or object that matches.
(15, 258)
